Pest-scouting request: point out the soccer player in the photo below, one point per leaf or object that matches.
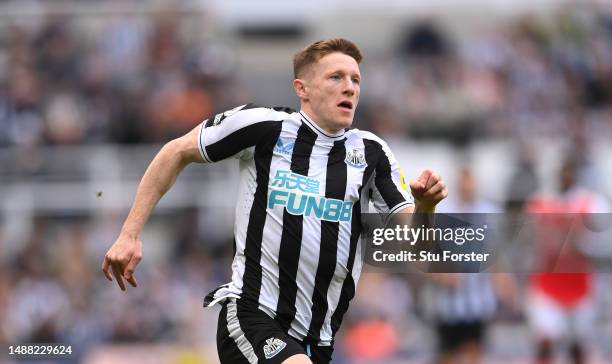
(561, 300)
(305, 179)
(462, 305)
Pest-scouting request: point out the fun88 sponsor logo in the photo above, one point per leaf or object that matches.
(299, 195)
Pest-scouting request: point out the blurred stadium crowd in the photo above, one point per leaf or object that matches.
(147, 80)
(136, 81)
(527, 80)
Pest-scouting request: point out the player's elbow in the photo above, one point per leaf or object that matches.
(183, 150)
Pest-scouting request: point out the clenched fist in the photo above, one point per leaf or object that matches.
(428, 189)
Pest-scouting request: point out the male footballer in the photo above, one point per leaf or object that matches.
(305, 180)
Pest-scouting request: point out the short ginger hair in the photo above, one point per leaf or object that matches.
(317, 50)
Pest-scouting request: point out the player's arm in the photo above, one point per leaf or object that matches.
(428, 190)
(126, 252)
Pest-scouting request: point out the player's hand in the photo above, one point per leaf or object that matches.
(428, 189)
(122, 258)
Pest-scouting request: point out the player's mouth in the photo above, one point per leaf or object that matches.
(346, 106)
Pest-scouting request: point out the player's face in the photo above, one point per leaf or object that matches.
(331, 91)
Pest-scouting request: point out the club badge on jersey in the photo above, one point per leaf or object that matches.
(355, 158)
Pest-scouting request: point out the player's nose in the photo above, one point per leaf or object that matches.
(348, 87)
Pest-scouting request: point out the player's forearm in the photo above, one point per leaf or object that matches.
(416, 216)
(157, 180)
(421, 208)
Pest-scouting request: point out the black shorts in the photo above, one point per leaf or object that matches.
(247, 335)
(452, 336)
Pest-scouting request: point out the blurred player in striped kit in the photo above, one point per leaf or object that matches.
(461, 305)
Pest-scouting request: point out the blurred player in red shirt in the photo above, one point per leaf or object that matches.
(561, 298)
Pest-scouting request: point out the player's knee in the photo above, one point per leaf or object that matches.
(297, 359)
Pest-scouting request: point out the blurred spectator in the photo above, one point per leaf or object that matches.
(523, 182)
(38, 302)
(64, 120)
(5, 291)
(371, 339)
(21, 108)
(424, 39)
(57, 56)
(375, 326)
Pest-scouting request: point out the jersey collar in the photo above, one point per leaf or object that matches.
(317, 129)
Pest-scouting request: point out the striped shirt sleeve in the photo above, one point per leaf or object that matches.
(390, 192)
(232, 132)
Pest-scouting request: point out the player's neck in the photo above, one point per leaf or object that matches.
(313, 118)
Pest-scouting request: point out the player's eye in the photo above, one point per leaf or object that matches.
(335, 77)
(356, 81)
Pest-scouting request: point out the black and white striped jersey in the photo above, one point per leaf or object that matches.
(298, 215)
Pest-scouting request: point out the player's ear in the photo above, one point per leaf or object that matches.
(300, 88)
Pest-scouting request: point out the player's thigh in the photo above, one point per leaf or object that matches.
(248, 332)
(582, 320)
(297, 359)
(546, 316)
(231, 350)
